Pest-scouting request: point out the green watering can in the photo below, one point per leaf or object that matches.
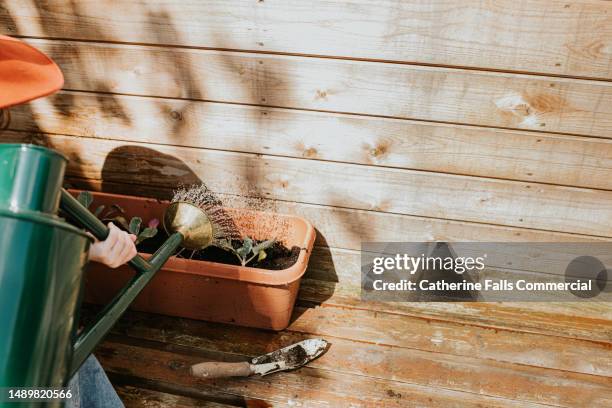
(42, 260)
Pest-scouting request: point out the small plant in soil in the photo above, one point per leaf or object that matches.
(228, 247)
(249, 250)
(115, 214)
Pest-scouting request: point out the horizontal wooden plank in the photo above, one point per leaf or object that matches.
(571, 320)
(559, 37)
(344, 267)
(134, 397)
(332, 231)
(308, 387)
(346, 228)
(340, 271)
(435, 195)
(459, 340)
(380, 328)
(413, 92)
(334, 278)
(528, 156)
(434, 372)
(203, 396)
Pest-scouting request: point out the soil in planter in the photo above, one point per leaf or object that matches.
(278, 256)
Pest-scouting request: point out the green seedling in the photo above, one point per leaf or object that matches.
(247, 252)
(115, 214)
(149, 232)
(85, 198)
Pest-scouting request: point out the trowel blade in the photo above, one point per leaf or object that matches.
(290, 357)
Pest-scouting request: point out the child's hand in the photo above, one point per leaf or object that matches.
(117, 249)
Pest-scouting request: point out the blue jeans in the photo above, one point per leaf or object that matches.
(91, 388)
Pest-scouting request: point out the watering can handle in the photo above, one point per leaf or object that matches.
(84, 217)
(93, 333)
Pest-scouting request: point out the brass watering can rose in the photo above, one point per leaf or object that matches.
(192, 222)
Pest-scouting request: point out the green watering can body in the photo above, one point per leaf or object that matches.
(41, 268)
(39, 298)
(42, 261)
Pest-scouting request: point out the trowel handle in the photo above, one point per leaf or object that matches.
(213, 369)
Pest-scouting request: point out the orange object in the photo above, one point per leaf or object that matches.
(212, 291)
(25, 73)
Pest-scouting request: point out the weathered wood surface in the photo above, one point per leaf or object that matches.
(391, 331)
(468, 383)
(333, 277)
(134, 397)
(307, 388)
(496, 153)
(345, 228)
(530, 205)
(419, 360)
(367, 150)
(187, 395)
(373, 88)
(561, 319)
(559, 37)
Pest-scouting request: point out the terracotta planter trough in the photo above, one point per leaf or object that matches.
(212, 291)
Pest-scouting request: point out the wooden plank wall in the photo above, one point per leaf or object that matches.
(377, 120)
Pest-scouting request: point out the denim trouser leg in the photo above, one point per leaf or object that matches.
(91, 388)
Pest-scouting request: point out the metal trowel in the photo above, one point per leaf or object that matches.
(287, 358)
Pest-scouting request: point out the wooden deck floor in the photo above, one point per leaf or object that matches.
(382, 355)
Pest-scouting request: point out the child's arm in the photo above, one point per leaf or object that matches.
(117, 249)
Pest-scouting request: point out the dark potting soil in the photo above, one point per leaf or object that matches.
(278, 256)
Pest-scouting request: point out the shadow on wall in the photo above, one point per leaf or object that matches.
(146, 167)
(168, 63)
(136, 170)
(172, 64)
(154, 168)
(321, 279)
